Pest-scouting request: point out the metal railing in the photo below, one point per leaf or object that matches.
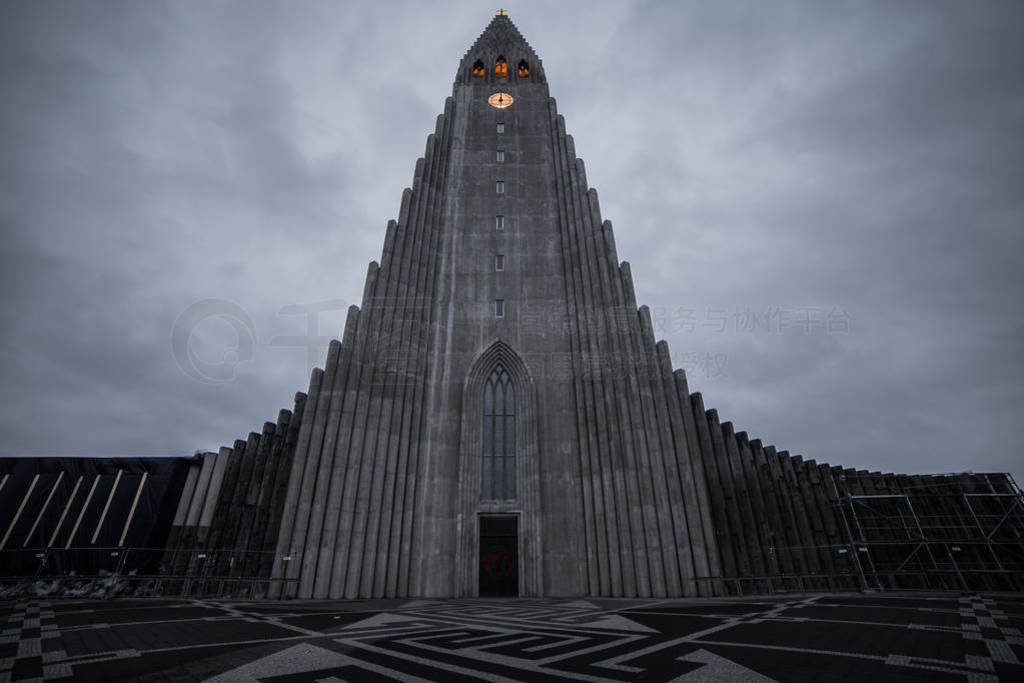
(139, 572)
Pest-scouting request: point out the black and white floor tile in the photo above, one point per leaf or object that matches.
(878, 637)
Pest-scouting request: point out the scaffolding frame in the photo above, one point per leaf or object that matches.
(931, 537)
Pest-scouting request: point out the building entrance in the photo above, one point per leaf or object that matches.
(499, 561)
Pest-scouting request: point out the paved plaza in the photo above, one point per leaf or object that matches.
(876, 637)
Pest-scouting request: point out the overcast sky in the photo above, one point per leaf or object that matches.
(822, 202)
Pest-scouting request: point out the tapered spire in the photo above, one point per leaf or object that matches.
(500, 40)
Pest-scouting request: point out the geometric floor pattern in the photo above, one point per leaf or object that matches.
(831, 637)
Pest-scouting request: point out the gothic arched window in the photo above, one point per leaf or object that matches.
(498, 475)
(522, 70)
(478, 68)
(501, 67)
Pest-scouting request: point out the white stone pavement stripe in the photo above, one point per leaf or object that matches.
(891, 659)
(609, 622)
(515, 629)
(454, 668)
(718, 668)
(562, 642)
(538, 665)
(698, 636)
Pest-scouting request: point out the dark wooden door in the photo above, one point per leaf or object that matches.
(499, 562)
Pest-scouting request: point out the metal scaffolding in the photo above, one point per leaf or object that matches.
(951, 532)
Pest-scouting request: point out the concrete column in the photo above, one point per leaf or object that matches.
(773, 533)
(212, 495)
(188, 492)
(716, 488)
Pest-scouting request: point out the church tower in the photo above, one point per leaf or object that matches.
(498, 419)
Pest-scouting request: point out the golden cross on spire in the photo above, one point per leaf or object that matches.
(502, 12)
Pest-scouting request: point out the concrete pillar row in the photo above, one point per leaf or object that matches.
(400, 580)
(773, 534)
(265, 511)
(692, 562)
(621, 399)
(758, 532)
(732, 504)
(697, 458)
(611, 523)
(745, 532)
(292, 541)
(595, 523)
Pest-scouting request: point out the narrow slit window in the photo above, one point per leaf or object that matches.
(499, 187)
(501, 127)
(499, 308)
(499, 262)
(499, 222)
(500, 156)
(498, 467)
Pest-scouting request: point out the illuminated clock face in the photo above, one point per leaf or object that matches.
(500, 100)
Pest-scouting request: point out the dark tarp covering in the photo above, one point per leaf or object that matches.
(43, 501)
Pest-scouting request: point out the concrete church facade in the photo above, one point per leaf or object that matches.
(496, 375)
(498, 418)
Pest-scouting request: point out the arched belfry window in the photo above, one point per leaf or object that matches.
(501, 67)
(478, 68)
(498, 475)
(522, 70)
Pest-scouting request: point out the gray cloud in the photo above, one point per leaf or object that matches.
(856, 162)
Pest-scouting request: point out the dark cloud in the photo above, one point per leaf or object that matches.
(821, 203)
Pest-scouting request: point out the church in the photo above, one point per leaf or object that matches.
(498, 419)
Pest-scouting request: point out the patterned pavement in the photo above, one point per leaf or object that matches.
(878, 637)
